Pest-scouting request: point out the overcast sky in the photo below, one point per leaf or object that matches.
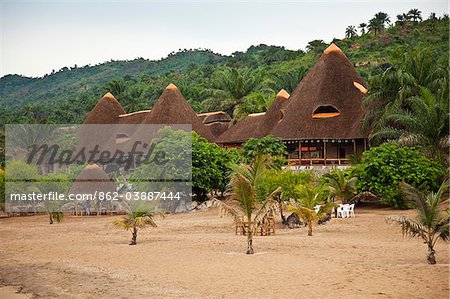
(38, 36)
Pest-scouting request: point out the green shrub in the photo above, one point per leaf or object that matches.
(384, 167)
(269, 145)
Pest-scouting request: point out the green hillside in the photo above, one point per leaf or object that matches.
(242, 83)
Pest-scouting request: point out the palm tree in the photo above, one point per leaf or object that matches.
(317, 46)
(231, 85)
(350, 31)
(378, 22)
(340, 186)
(253, 103)
(375, 26)
(244, 184)
(363, 26)
(430, 224)
(389, 90)
(425, 123)
(309, 196)
(289, 80)
(137, 218)
(383, 18)
(415, 14)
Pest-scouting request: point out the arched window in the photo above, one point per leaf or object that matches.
(325, 111)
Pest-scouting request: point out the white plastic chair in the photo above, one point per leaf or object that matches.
(343, 210)
(317, 208)
(351, 210)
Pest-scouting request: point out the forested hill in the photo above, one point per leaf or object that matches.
(242, 83)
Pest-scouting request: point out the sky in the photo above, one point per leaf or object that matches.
(40, 36)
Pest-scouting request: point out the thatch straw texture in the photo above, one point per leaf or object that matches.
(172, 108)
(106, 111)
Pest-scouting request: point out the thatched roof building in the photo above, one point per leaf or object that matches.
(327, 104)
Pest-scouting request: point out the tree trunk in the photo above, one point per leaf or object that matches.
(134, 236)
(430, 257)
(249, 241)
(280, 205)
(50, 220)
(309, 228)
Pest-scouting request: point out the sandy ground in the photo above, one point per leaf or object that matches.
(196, 255)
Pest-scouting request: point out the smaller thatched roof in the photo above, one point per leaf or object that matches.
(217, 116)
(106, 111)
(243, 130)
(172, 108)
(218, 128)
(133, 118)
(92, 179)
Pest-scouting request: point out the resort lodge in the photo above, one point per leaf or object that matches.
(320, 122)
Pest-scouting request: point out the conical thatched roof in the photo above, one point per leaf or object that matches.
(172, 108)
(243, 130)
(106, 111)
(92, 179)
(326, 103)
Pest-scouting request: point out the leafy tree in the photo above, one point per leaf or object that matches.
(309, 196)
(268, 145)
(430, 224)
(350, 31)
(415, 14)
(210, 166)
(245, 183)
(137, 218)
(384, 167)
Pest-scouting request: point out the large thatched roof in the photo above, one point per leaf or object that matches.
(106, 111)
(172, 108)
(326, 103)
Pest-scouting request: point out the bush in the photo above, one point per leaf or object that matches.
(384, 167)
(269, 145)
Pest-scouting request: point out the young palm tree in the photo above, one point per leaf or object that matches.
(309, 196)
(55, 215)
(341, 187)
(431, 224)
(350, 31)
(363, 26)
(137, 218)
(244, 184)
